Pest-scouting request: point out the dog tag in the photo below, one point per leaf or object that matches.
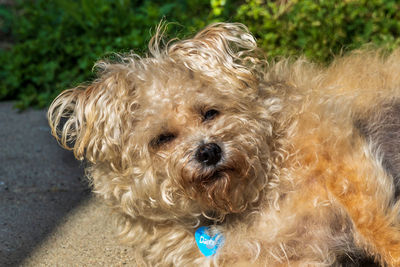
(208, 240)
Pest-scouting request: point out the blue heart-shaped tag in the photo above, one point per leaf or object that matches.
(208, 240)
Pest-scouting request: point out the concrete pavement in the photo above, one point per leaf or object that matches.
(47, 214)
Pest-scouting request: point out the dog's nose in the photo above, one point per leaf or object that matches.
(209, 154)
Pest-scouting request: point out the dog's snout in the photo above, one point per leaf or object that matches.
(209, 154)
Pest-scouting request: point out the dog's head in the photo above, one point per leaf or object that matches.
(184, 132)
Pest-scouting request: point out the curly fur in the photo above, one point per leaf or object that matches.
(304, 179)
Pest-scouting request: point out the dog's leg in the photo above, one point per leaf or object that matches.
(376, 223)
(376, 231)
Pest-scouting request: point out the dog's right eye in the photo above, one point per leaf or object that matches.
(210, 114)
(162, 139)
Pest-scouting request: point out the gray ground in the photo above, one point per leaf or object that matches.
(47, 215)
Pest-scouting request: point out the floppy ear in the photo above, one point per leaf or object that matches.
(220, 49)
(88, 120)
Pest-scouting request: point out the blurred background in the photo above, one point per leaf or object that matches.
(52, 45)
(47, 46)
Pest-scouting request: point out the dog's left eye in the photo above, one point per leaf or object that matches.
(162, 139)
(210, 114)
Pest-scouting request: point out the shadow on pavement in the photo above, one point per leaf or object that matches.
(39, 182)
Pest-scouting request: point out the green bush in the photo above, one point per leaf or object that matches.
(321, 29)
(57, 42)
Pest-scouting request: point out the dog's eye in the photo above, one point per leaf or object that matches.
(210, 114)
(162, 139)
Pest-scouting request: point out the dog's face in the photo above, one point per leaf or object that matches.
(201, 143)
(177, 135)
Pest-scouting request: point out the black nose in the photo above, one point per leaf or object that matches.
(209, 154)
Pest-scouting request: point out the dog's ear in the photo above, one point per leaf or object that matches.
(89, 119)
(220, 50)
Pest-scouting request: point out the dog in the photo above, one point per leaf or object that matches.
(212, 155)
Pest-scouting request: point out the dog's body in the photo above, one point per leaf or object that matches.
(292, 162)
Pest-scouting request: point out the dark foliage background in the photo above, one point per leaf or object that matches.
(55, 43)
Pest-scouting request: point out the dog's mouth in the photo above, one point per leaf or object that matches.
(218, 187)
(222, 174)
(213, 176)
